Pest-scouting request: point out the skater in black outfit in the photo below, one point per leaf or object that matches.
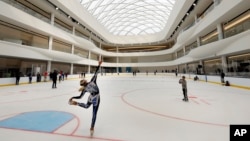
(93, 99)
(222, 75)
(30, 77)
(18, 74)
(54, 79)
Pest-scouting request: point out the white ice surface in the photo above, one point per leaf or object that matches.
(141, 108)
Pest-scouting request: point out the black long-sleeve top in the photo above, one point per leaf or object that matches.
(91, 87)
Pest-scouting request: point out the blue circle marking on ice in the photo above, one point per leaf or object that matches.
(41, 121)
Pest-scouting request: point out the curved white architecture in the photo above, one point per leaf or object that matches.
(225, 11)
(130, 17)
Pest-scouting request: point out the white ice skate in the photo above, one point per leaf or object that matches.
(91, 131)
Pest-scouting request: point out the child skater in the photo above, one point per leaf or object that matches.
(93, 99)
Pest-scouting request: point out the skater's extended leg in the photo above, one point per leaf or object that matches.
(85, 105)
(96, 103)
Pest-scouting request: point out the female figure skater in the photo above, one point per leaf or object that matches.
(93, 99)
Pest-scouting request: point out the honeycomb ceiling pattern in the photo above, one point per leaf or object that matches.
(130, 17)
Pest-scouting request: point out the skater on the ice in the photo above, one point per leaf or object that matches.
(196, 78)
(18, 74)
(54, 79)
(183, 82)
(93, 99)
(222, 75)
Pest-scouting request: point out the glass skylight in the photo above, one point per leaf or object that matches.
(130, 17)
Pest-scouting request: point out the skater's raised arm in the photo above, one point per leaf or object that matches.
(96, 72)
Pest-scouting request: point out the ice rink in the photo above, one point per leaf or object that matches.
(133, 108)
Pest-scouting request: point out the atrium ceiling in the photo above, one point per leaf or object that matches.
(132, 22)
(130, 17)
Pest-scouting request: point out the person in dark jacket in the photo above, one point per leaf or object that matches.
(30, 77)
(222, 75)
(183, 83)
(18, 74)
(54, 79)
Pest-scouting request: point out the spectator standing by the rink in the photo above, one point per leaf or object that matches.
(134, 73)
(18, 74)
(83, 75)
(155, 72)
(66, 75)
(50, 75)
(60, 77)
(30, 77)
(222, 75)
(38, 77)
(45, 76)
(54, 79)
(183, 82)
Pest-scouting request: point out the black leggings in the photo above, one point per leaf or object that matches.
(95, 109)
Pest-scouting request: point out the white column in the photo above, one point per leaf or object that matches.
(73, 30)
(186, 68)
(224, 63)
(50, 42)
(196, 18)
(89, 56)
(198, 41)
(201, 69)
(49, 66)
(89, 69)
(117, 60)
(100, 59)
(72, 49)
(184, 51)
(52, 19)
(71, 68)
(100, 56)
(220, 32)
